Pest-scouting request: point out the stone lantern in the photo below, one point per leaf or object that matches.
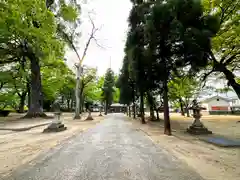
(197, 127)
(57, 124)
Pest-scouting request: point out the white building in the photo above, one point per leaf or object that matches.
(235, 101)
(235, 104)
(216, 105)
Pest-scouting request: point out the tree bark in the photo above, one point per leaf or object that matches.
(152, 113)
(68, 104)
(181, 107)
(129, 111)
(142, 107)
(36, 105)
(167, 125)
(77, 93)
(83, 100)
(157, 114)
(134, 104)
(71, 105)
(106, 107)
(22, 102)
(187, 111)
(134, 110)
(231, 81)
(151, 104)
(100, 111)
(29, 94)
(217, 66)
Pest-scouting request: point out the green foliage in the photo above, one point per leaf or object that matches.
(184, 89)
(116, 95)
(53, 81)
(29, 31)
(108, 87)
(68, 12)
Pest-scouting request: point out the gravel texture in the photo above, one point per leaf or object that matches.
(113, 150)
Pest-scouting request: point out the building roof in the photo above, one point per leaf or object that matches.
(215, 97)
(234, 98)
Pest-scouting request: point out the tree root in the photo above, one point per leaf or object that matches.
(89, 118)
(31, 115)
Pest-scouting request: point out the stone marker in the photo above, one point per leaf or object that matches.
(197, 128)
(56, 125)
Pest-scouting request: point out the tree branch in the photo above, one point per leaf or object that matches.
(15, 85)
(2, 84)
(94, 30)
(224, 57)
(205, 76)
(230, 59)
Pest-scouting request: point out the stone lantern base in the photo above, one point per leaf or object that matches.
(198, 129)
(56, 125)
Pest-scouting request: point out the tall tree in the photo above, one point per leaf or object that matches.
(37, 43)
(108, 89)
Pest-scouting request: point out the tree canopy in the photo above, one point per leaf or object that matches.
(162, 40)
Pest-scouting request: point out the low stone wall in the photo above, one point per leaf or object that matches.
(219, 112)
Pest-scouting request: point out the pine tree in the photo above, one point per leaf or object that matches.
(108, 89)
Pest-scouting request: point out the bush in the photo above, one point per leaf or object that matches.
(4, 113)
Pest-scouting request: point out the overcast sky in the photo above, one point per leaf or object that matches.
(111, 17)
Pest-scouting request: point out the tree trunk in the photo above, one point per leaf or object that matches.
(181, 106)
(77, 93)
(22, 102)
(167, 125)
(71, 106)
(68, 104)
(29, 94)
(129, 111)
(157, 115)
(228, 74)
(187, 111)
(36, 105)
(81, 105)
(134, 105)
(106, 108)
(152, 116)
(134, 110)
(142, 107)
(100, 111)
(89, 118)
(151, 104)
(83, 100)
(231, 81)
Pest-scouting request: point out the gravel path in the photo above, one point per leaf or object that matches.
(113, 150)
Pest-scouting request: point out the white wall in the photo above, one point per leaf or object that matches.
(235, 102)
(205, 111)
(214, 102)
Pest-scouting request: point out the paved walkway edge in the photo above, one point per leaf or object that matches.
(24, 128)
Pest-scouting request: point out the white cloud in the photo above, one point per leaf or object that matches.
(111, 16)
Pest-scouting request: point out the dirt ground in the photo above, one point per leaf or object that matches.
(18, 148)
(226, 125)
(211, 162)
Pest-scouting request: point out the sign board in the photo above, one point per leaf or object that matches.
(219, 108)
